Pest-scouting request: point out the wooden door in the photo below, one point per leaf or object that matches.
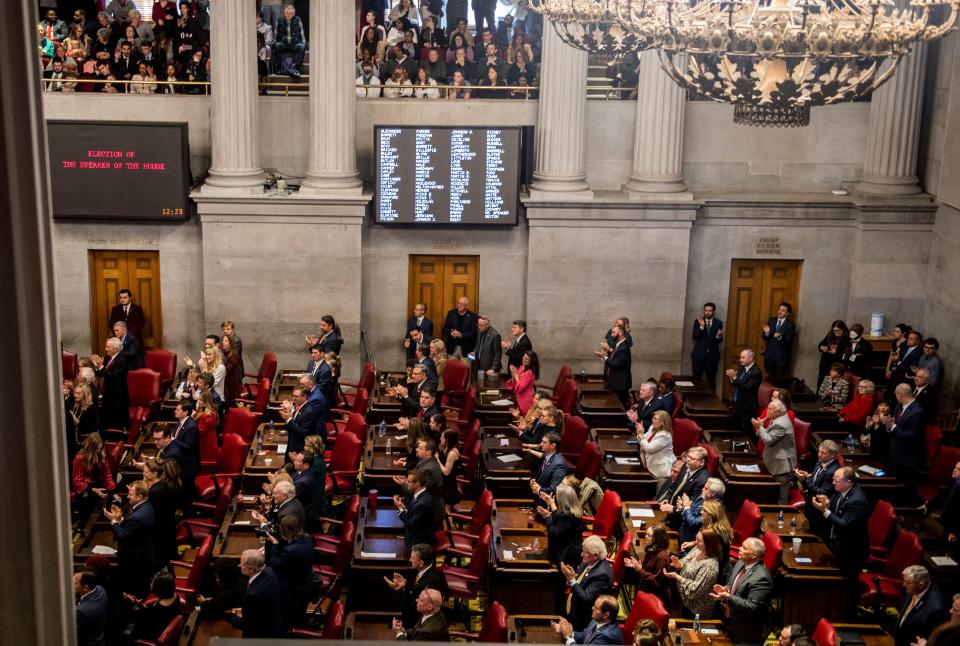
(757, 287)
(138, 271)
(439, 281)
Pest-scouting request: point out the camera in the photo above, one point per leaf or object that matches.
(269, 528)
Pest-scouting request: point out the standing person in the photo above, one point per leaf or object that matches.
(923, 608)
(420, 321)
(859, 354)
(832, 348)
(563, 515)
(460, 328)
(432, 625)
(778, 334)
(82, 416)
(746, 388)
(489, 350)
(233, 375)
(130, 346)
(134, 534)
(591, 578)
(260, 614)
(163, 479)
(114, 411)
(484, 11)
(330, 339)
(522, 380)
(819, 481)
(656, 449)
(417, 515)
(408, 588)
(290, 556)
(746, 595)
(448, 456)
(617, 364)
(654, 561)
(92, 606)
(128, 312)
(520, 344)
(603, 627)
(779, 447)
(230, 330)
(707, 337)
(846, 513)
(696, 573)
(91, 480)
(907, 433)
(902, 370)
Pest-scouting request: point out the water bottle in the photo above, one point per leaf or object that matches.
(850, 442)
(583, 375)
(793, 525)
(696, 623)
(259, 442)
(780, 519)
(530, 520)
(389, 448)
(536, 545)
(271, 426)
(382, 429)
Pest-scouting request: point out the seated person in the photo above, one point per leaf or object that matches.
(290, 43)
(230, 588)
(151, 618)
(858, 409)
(834, 389)
(665, 393)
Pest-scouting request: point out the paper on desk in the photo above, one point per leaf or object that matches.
(241, 522)
(400, 437)
(641, 512)
(248, 498)
(803, 559)
(709, 631)
(502, 402)
(942, 560)
(103, 549)
(624, 461)
(684, 384)
(504, 442)
(638, 524)
(747, 468)
(508, 554)
(509, 457)
(492, 392)
(378, 555)
(281, 449)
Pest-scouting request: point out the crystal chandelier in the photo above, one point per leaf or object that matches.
(772, 59)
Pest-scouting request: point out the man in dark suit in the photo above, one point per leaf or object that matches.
(460, 328)
(923, 609)
(430, 476)
(746, 596)
(648, 403)
(316, 361)
(819, 482)
(409, 395)
(593, 577)
(746, 388)
(859, 354)
(303, 481)
(166, 447)
(902, 371)
(689, 482)
(847, 513)
(285, 503)
(432, 626)
(187, 438)
(907, 432)
(428, 403)
(616, 367)
(778, 334)
(300, 419)
(414, 339)
(553, 467)
(317, 395)
(520, 344)
(707, 337)
(926, 396)
(417, 515)
(419, 321)
(260, 616)
(408, 588)
(128, 312)
(130, 346)
(114, 411)
(950, 510)
(421, 356)
(92, 605)
(489, 348)
(134, 534)
(485, 10)
(602, 629)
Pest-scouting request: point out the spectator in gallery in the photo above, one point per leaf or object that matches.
(457, 42)
(492, 59)
(145, 81)
(142, 30)
(395, 87)
(164, 13)
(372, 46)
(54, 28)
(264, 53)
(462, 65)
(148, 55)
(54, 76)
(457, 88)
(291, 43)
(435, 65)
(44, 44)
(78, 44)
(429, 92)
(372, 23)
(519, 43)
(163, 47)
(409, 43)
(395, 34)
(404, 10)
(170, 87)
(520, 67)
(196, 73)
(431, 36)
(265, 29)
(834, 388)
(120, 10)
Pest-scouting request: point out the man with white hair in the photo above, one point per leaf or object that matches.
(745, 382)
(779, 447)
(130, 346)
(907, 429)
(432, 626)
(593, 577)
(691, 518)
(746, 596)
(284, 503)
(144, 31)
(923, 609)
(114, 411)
(260, 615)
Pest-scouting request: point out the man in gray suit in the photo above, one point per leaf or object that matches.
(779, 447)
(746, 596)
(488, 348)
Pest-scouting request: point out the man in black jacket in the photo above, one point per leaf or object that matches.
(707, 337)
(130, 346)
(778, 334)
(819, 481)
(114, 411)
(616, 367)
(417, 515)
(746, 596)
(408, 588)
(519, 346)
(300, 420)
(847, 513)
(746, 388)
(923, 608)
(134, 534)
(690, 480)
(593, 577)
(460, 327)
(489, 350)
(260, 616)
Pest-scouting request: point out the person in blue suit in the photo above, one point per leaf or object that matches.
(260, 614)
(418, 321)
(592, 578)
(187, 438)
(907, 431)
(778, 334)
(290, 556)
(92, 605)
(134, 535)
(301, 419)
(552, 469)
(707, 337)
(602, 629)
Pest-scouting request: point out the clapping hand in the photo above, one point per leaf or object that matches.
(568, 572)
(633, 563)
(397, 582)
(719, 592)
(257, 516)
(670, 574)
(675, 561)
(398, 503)
(684, 501)
(563, 627)
(820, 501)
(113, 514)
(666, 507)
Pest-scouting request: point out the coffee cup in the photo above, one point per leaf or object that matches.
(797, 542)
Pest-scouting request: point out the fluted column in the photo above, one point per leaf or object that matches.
(658, 133)
(890, 165)
(234, 107)
(559, 166)
(332, 166)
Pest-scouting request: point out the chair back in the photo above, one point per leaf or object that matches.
(268, 368)
(881, 524)
(481, 512)
(677, 404)
(686, 433)
(171, 634)
(574, 436)
(333, 629)
(666, 374)
(588, 466)
(68, 364)
(241, 421)
(223, 501)
(942, 466)
(345, 548)
(566, 372)
(906, 551)
(143, 385)
(360, 401)
(263, 396)
(494, 628)
(934, 437)
(747, 523)
(368, 375)
(469, 402)
(773, 550)
(854, 381)
(346, 453)
(473, 460)
(199, 563)
(352, 510)
(825, 634)
(233, 452)
(623, 551)
(456, 375)
(208, 447)
(646, 606)
(115, 454)
(713, 458)
(801, 435)
(473, 433)
(164, 362)
(356, 424)
(608, 514)
(567, 397)
(481, 553)
(137, 419)
(764, 395)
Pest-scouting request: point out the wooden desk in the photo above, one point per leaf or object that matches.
(600, 401)
(384, 406)
(768, 523)
(820, 417)
(500, 438)
(522, 579)
(208, 630)
(713, 632)
(491, 414)
(378, 551)
(379, 467)
(861, 452)
(260, 465)
(594, 382)
(632, 481)
(272, 437)
(811, 590)
(947, 576)
(513, 513)
(758, 487)
(885, 487)
(699, 387)
(872, 634)
(532, 629)
(507, 479)
(370, 626)
(617, 442)
(489, 382)
(632, 521)
(708, 411)
(731, 444)
(96, 532)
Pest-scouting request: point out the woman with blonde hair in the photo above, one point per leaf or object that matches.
(438, 352)
(656, 448)
(696, 573)
(564, 518)
(858, 409)
(212, 362)
(81, 412)
(715, 518)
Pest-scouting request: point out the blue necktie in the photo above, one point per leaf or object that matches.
(736, 387)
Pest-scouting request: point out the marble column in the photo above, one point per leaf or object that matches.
(332, 165)
(559, 166)
(658, 133)
(890, 165)
(234, 106)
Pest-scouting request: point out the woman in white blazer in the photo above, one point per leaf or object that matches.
(656, 448)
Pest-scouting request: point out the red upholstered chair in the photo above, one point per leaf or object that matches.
(825, 634)
(886, 588)
(566, 399)
(331, 575)
(68, 364)
(268, 370)
(713, 459)
(190, 575)
(588, 466)
(332, 628)
(164, 362)
(566, 372)
(193, 530)
(368, 375)
(351, 513)
(854, 381)
(618, 565)
(328, 544)
(344, 464)
(575, 435)
(764, 395)
(773, 550)
(746, 525)
(677, 405)
(801, 435)
(465, 583)
(473, 433)
(940, 470)
(467, 484)
(666, 374)
(242, 422)
(460, 417)
(934, 438)
(258, 404)
(607, 518)
(686, 433)
(208, 450)
(460, 542)
(340, 417)
(353, 423)
(143, 386)
(456, 377)
(646, 606)
(233, 452)
(492, 631)
(879, 527)
(170, 635)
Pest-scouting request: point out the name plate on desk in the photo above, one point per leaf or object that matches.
(642, 512)
(803, 559)
(627, 461)
(747, 468)
(378, 555)
(509, 458)
(872, 471)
